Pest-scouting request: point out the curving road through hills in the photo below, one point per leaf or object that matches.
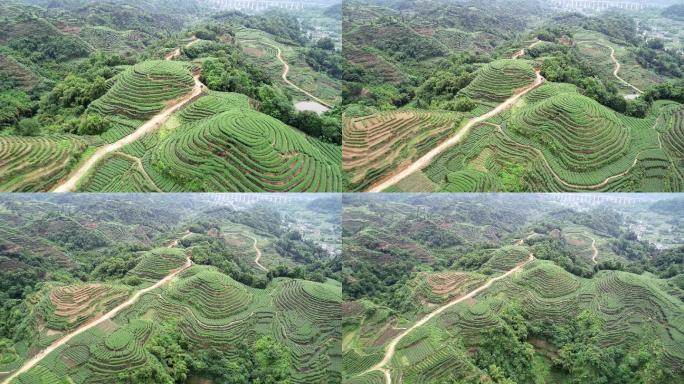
(391, 347)
(258, 255)
(594, 250)
(286, 72)
(616, 70)
(71, 183)
(453, 140)
(461, 134)
(109, 315)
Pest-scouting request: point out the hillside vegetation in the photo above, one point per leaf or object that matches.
(107, 288)
(527, 288)
(105, 97)
(555, 101)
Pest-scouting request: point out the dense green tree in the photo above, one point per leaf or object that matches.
(274, 102)
(505, 347)
(13, 105)
(28, 127)
(224, 369)
(93, 124)
(271, 362)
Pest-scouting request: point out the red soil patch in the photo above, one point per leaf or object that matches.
(425, 31)
(89, 224)
(352, 309)
(70, 29)
(388, 334)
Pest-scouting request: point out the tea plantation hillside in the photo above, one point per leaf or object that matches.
(527, 298)
(124, 97)
(208, 311)
(551, 101)
(103, 288)
(219, 143)
(562, 141)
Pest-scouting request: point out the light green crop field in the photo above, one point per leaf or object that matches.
(498, 80)
(379, 143)
(629, 306)
(35, 163)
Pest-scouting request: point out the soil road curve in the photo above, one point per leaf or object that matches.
(391, 347)
(151, 125)
(617, 69)
(594, 251)
(258, 255)
(107, 316)
(286, 71)
(462, 133)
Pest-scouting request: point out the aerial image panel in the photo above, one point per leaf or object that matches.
(513, 96)
(170, 96)
(191, 288)
(513, 288)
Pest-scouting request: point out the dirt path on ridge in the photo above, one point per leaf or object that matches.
(616, 70)
(177, 52)
(453, 140)
(594, 250)
(286, 71)
(151, 125)
(108, 316)
(523, 51)
(258, 255)
(391, 347)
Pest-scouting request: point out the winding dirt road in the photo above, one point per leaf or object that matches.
(594, 250)
(391, 347)
(258, 255)
(617, 69)
(522, 52)
(286, 71)
(71, 184)
(462, 133)
(109, 315)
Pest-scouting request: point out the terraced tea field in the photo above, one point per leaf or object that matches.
(615, 63)
(214, 312)
(217, 142)
(169, 134)
(442, 344)
(244, 150)
(497, 86)
(65, 308)
(499, 80)
(143, 90)
(406, 350)
(380, 143)
(558, 140)
(285, 64)
(525, 137)
(37, 163)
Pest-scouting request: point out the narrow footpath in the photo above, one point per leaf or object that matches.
(258, 255)
(457, 138)
(286, 72)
